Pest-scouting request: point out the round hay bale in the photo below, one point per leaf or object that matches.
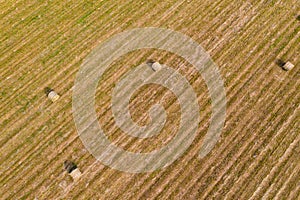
(76, 174)
(154, 65)
(53, 96)
(288, 66)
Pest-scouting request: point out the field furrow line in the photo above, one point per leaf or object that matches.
(294, 177)
(285, 156)
(229, 98)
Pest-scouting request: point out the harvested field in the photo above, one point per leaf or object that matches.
(43, 44)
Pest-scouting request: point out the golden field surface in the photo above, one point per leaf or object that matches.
(43, 43)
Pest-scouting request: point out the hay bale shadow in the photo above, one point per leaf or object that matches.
(69, 166)
(280, 63)
(47, 90)
(150, 62)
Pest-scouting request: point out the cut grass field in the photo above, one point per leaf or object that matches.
(43, 43)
